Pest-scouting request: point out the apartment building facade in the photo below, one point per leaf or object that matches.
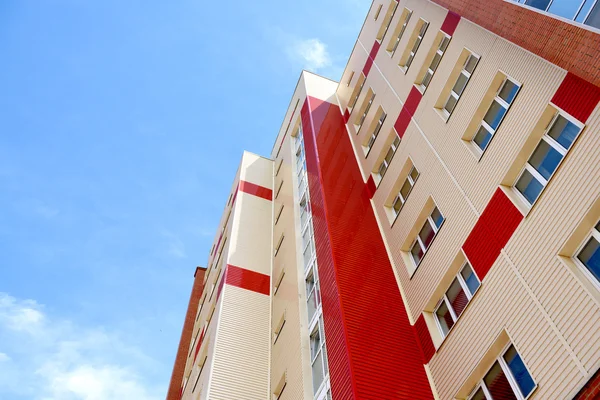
(428, 227)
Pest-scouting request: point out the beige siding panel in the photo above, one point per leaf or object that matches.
(241, 358)
(256, 169)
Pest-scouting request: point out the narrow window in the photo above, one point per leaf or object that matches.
(546, 158)
(399, 31)
(357, 90)
(387, 20)
(280, 388)
(460, 85)
(308, 244)
(589, 255)
(279, 245)
(350, 78)
(199, 373)
(278, 282)
(426, 235)
(435, 61)
(508, 378)
(493, 117)
(312, 296)
(405, 190)
(278, 167)
(366, 107)
(375, 133)
(415, 44)
(279, 189)
(385, 163)
(279, 328)
(377, 12)
(318, 364)
(278, 214)
(456, 298)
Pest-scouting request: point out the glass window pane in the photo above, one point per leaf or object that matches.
(540, 4)
(310, 284)
(509, 91)
(426, 79)
(382, 169)
(397, 206)
(405, 189)
(417, 253)
(497, 384)
(470, 278)
(529, 186)
(313, 303)
(444, 318)
(565, 8)
(518, 371)
(494, 115)
(460, 84)
(396, 142)
(590, 257)
(594, 18)
(436, 61)
(444, 43)
(482, 138)
(414, 174)
(564, 132)
(457, 297)
(450, 104)
(584, 10)
(423, 29)
(409, 60)
(389, 155)
(426, 234)
(479, 395)
(437, 217)
(545, 159)
(471, 63)
(598, 227)
(315, 343)
(317, 372)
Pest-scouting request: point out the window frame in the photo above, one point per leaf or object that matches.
(398, 37)
(418, 240)
(439, 52)
(279, 243)
(503, 104)
(447, 114)
(279, 214)
(509, 377)
(383, 161)
(595, 234)
(363, 117)
(415, 46)
(354, 100)
(556, 146)
(446, 301)
(375, 132)
(399, 196)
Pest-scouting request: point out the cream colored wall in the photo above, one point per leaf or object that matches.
(551, 313)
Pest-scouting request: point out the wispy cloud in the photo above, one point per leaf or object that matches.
(311, 52)
(69, 362)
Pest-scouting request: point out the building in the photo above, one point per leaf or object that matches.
(426, 228)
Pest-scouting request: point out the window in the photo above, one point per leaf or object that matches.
(279, 245)
(583, 11)
(366, 107)
(318, 358)
(357, 90)
(460, 85)
(199, 373)
(589, 255)
(508, 378)
(387, 20)
(493, 117)
(399, 31)
(308, 243)
(350, 78)
(385, 163)
(278, 281)
(278, 214)
(375, 133)
(547, 156)
(280, 388)
(405, 190)
(420, 33)
(279, 189)
(377, 12)
(426, 235)
(279, 164)
(278, 329)
(312, 295)
(456, 298)
(435, 61)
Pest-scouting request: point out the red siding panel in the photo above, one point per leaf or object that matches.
(256, 190)
(450, 23)
(402, 122)
(371, 187)
(424, 338)
(246, 279)
(346, 116)
(371, 58)
(493, 230)
(413, 100)
(577, 96)
(355, 274)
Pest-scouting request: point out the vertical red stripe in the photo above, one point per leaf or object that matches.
(577, 97)
(371, 187)
(402, 122)
(424, 339)
(450, 23)
(413, 100)
(371, 58)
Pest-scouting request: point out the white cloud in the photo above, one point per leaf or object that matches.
(311, 52)
(69, 362)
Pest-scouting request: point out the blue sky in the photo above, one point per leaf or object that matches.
(122, 123)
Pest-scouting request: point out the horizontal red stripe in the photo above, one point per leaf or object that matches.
(246, 279)
(256, 190)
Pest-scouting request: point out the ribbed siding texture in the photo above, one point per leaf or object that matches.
(337, 351)
(241, 359)
(384, 355)
(492, 231)
(424, 338)
(577, 96)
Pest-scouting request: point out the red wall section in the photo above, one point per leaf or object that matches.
(569, 46)
(450, 23)
(256, 190)
(492, 231)
(412, 101)
(577, 96)
(246, 279)
(591, 390)
(424, 338)
(368, 333)
(402, 122)
(371, 58)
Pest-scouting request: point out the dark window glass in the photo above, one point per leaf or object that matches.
(498, 385)
(437, 217)
(482, 138)
(545, 159)
(494, 115)
(564, 132)
(565, 8)
(457, 297)
(518, 371)
(594, 18)
(529, 186)
(584, 10)
(540, 4)
(470, 278)
(444, 318)
(509, 91)
(590, 257)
